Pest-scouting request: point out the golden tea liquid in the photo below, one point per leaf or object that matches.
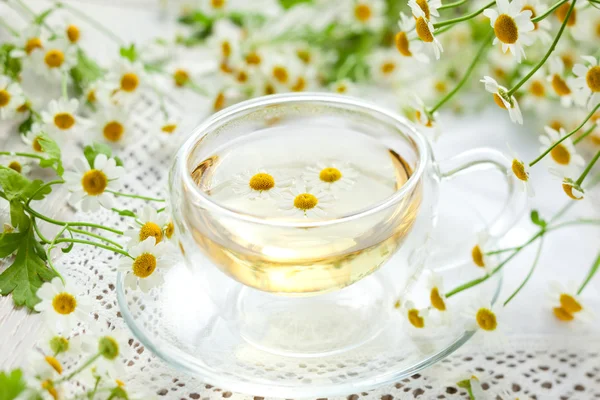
(302, 173)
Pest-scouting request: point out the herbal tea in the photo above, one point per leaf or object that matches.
(303, 173)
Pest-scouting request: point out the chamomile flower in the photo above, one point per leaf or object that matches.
(32, 137)
(566, 304)
(570, 186)
(561, 85)
(11, 97)
(32, 39)
(587, 28)
(90, 185)
(424, 117)
(62, 305)
(502, 99)
(148, 263)
(385, 66)
(61, 117)
(510, 394)
(43, 367)
(260, 183)
(425, 30)
(435, 289)
(541, 28)
(214, 7)
(520, 170)
(303, 202)
(404, 40)
(64, 345)
(71, 30)
(226, 39)
(149, 223)
(19, 166)
(127, 81)
(330, 176)
(563, 155)
(418, 318)
(366, 15)
(113, 347)
(587, 82)
(512, 26)
(486, 320)
(535, 95)
(281, 69)
(112, 125)
(478, 256)
(427, 8)
(168, 129)
(55, 59)
(344, 86)
(562, 11)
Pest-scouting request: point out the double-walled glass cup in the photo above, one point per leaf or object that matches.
(333, 276)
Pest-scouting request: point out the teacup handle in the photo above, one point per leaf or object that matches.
(477, 159)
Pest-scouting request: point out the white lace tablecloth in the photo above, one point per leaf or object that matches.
(542, 358)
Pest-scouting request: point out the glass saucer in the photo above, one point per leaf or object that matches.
(178, 322)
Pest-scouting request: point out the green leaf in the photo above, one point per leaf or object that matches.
(10, 66)
(286, 4)
(196, 17)
(129, 53)
(11, 384)
(42, 16)
(535, 218)
(18, 218)
(12, 183)
(9, 242)
(125, 213)
(91, 151)
(52, 150)
(84, 72)
(26, 274)
(25, 126)
(466, 384)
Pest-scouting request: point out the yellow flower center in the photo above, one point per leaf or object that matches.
(592, 78)
(415, 319)
(181, 77)
(64, 303)
(54, 58)
(560, 86)
(35, 144)
(305, 201)
(423, 5)
(560, 154)
(91, 96)
(15, 166)
(32, 44)
(280, 73)
(568, 60)
(402, 44)
(4, 97)
(219, 101)
(94, 182)
(537, 88)
(64, 121)
(486, 319)
(169, 230)
(556, 125)
(49, 387)
(304, 55)
(54, 363)
(242, 76)
(269, 89)
(397, 304)
(113, 131)
(362, 12)
(253, 58)
(119, 383)
(261, 181)
(436, 300)
(533, 14)
(218, 4)
(562, 314)
(225, 49)
(129, 82)
(569, 304)
(561, 14)
(440, 87)
(388, 67)
(225, 68)
(428, 123)
(598, 29)
(73, 33)
(498, 101)
(23, 107)
(423, 30)
(169, 128)
(144, 265)
(341, 88)
(300, 85)
(330, 175)
(518, 169)
(151, 229)
(568, 189)
(506, 29)
(477, 256)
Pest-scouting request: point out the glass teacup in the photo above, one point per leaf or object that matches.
(253, 196)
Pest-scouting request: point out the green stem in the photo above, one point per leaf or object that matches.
(586, 133)
(80, 368)
(465, 77)
(549, 11)
(451, 5)
(9, 28)
(51, 246)
(196, 88)
(45, 185)
(134, 196)
(489, 253)
(590, 274)
(38, 231)
(64, 85)
(548, 150)
(465, 17)
(62, 223)
(535, 262)
(82, 232)
(26, 7)
(550, 50)
(588, 168)
(110, 34)
(89, 242)
(19, 154)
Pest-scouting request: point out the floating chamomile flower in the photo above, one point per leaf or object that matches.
(112, 125)
(567, 304)
(563, 155)
(149, 223)
(11, 97)
(61, 305)
(571, 188)
(478, 256)
(56, 58)
(150, 261)
(587, 83)
(260, 183)
(303, 202)
(403, 40)
(418, 318)
(561, 85)
(435, 289)
(520, 170)
(366, 15)
(502, 99)
(61, 116)
(127, 80)
(512, 24)
(330, 176)
(485, 319)
(90, 185)
(113, 347)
